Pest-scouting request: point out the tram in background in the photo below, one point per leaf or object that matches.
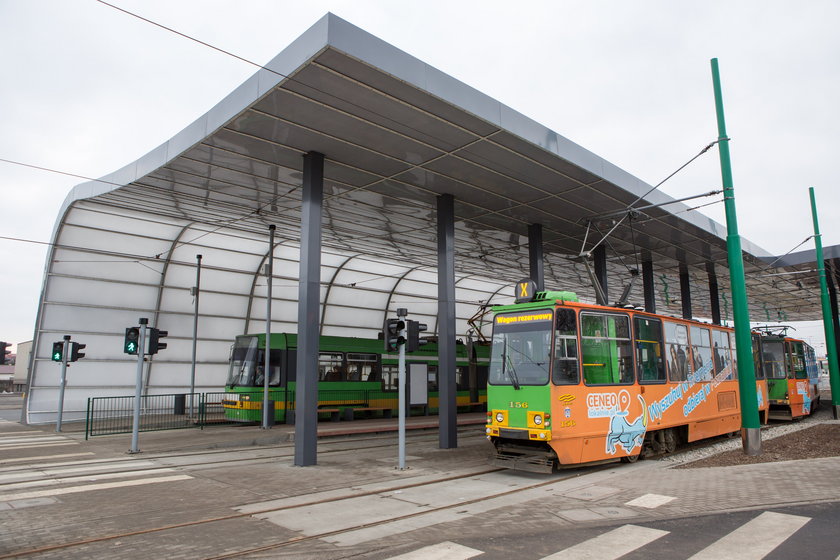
(573, 383)
(790, 366)
(355, 375)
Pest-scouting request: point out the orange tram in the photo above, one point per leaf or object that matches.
(790, 367)
(573, 383)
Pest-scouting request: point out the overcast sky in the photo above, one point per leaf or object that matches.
(87, 89)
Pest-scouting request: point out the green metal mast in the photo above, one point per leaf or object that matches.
(750, 425)
(828, 323)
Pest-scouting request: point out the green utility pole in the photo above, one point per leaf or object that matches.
(750, 425)
(828, 323)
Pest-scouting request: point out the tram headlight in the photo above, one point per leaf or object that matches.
(500, 417)
(538, 419)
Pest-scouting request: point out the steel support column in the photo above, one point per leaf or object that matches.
(714, 296)
(309, 290)
(685, 291)
(535, 255)
(648, 285)
(447, 410)
(599, 255)
(750, 424)
(833, 281)
(828, 322)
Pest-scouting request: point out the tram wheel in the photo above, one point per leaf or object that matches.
(631, 458)
(670, 440)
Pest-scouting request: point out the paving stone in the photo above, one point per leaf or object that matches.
(579, 515)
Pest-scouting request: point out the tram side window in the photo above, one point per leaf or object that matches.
(462, 378)
(390, 378)
(677, 351)
(702, 351)
(606, 349)
(721, 356)
(734, 355)
(363, 367)
(797, 356)
(649, 350)
(331, 367)
(565, 349)
(432, 378)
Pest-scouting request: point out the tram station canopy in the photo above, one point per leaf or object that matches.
(396, 134)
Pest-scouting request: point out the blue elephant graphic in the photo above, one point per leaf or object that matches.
(628, 435)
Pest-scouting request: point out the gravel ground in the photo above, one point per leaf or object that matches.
(815, 436)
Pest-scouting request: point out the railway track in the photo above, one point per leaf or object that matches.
(299, 539)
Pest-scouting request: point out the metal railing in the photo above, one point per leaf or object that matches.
(115, 415)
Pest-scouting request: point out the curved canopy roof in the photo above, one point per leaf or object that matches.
(396, 133)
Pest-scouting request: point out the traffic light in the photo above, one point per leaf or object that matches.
(4, 352)
(58, 351)
(154, 336)
(414, 329)
(391, 334)
(132, 340)
(74, 351)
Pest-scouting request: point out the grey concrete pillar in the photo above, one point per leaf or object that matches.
(447, 409)
(535, 255)
(685, 291)
(714, 297)
(600, 258)
(647, 284)
(309, 291)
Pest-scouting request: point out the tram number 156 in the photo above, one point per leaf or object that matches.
(517, 404)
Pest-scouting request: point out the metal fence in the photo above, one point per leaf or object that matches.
(115, 415)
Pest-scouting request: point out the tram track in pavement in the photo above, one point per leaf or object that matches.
(342, 446)
(199, 457)
(558, 477)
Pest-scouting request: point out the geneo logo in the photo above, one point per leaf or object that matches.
(601, 405)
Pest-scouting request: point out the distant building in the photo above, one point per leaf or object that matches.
(21, 367)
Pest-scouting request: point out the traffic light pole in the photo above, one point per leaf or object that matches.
(401, 313)
(141, 353)
(195, 333)
(64, 357)
(268, 404)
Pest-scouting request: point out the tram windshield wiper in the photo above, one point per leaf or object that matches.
(514, 379)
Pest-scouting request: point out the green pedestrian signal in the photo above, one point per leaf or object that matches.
(132, 340)
(57, 351)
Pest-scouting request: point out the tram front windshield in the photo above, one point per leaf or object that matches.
(774, 359)
(521, 350)
(243, 361)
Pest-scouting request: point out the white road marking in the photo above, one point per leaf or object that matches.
(743, 543)
(40, 472)
(32, 438)
(442, 551)
(39, 445)
(72, 479)
(650, 501)
(42, 457)
(610, 545)
(91, 487)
